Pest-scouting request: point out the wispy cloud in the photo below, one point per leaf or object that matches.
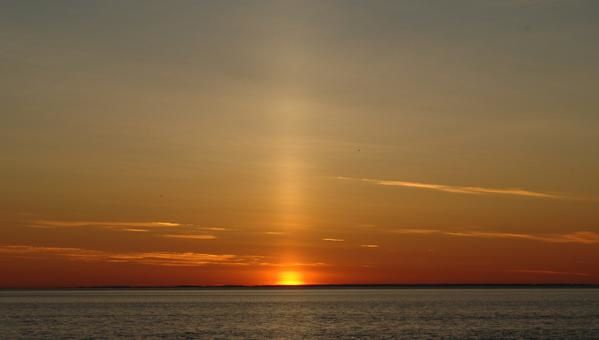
(469, 190)
(584, 237)
(186, 259)
(189, 259)
(547, 272)
(333, 239)
(106, 224)
(417, 231)
(190, 236)
(369, 245)
(26, 251)
(293, 264)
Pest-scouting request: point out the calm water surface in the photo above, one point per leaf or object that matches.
(302, 313)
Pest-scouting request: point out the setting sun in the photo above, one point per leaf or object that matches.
(290, 278)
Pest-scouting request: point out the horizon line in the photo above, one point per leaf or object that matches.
(317, 286)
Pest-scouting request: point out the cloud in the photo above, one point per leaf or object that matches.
(417, 231)
(547, 272)
(333, 239)
(293, 264)
(105, 224)
(461, 189)
(587, 237)
(369, 245)
(187, 259)
(215, 229)
(35, 251)
(190, 236)
(275, 233)
(583, 237)
(126, 226)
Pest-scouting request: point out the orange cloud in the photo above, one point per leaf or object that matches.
(108, 224)
(461, 189)
(333, 239)
(191, 236)
(584, 237)
(33, 251)
(293, 264)
(417, 231)
(215, 229)
(188, 259)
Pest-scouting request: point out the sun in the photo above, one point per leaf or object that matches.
(290, 278)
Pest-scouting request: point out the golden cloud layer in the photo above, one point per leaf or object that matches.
(187, 259)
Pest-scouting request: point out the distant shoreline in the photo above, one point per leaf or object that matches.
(323, 286)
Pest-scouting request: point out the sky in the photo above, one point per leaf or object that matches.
(287, 142)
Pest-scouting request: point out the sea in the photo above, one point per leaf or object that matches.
(366, 313)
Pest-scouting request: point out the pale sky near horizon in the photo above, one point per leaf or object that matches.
(236, 142)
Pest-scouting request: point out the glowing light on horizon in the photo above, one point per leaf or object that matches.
(290, 278)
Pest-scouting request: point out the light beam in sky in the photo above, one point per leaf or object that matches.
(288, 111)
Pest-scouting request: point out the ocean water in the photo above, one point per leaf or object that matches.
(301, 313)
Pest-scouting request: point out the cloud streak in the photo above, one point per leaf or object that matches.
(190, 236)
(293, 264)
(215, 229)
(105, 224)
(417, 231)
(275, 233)
(582, 237)
(177, 259)
(468, 190)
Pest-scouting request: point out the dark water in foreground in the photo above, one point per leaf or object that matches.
(302, 313)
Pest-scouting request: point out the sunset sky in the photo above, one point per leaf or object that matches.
(290, 142)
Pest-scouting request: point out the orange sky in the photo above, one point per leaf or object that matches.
(271, 142)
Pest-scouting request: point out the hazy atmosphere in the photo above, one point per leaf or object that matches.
(298, 142)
